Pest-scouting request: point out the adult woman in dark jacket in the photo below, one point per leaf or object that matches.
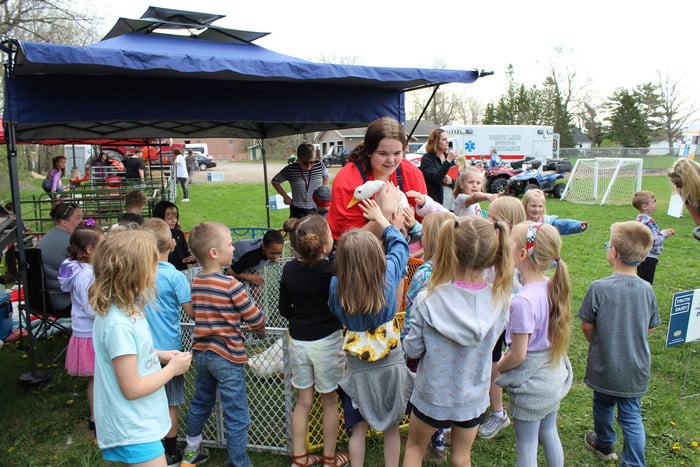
(436, 162)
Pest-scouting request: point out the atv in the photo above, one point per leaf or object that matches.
(544, 177)
(497, 179)
(337, 155)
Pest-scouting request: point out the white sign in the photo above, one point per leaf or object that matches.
(684, 324)
(675, 206)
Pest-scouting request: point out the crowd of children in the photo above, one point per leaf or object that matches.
(487, 312)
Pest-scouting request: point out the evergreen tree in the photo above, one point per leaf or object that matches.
(629, 125)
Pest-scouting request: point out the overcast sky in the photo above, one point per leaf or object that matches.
(610, 44)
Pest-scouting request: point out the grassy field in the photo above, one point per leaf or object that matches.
(47, 426)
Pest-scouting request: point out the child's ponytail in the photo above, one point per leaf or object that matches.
(503, 266)
(559, 295)
(445, 258)
(543, 244)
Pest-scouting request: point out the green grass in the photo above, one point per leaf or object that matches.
(39, 422)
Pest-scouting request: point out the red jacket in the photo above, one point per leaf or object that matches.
(340, 218)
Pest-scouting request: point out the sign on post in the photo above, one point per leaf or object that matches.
(684, 325)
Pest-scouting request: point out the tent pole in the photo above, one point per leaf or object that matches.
(34, 377)
(425, 108)
(267, 191)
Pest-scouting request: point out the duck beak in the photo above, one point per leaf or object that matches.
(353, 202)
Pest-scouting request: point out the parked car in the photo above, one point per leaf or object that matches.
(416, 148)
(203, 162)
(414, 158)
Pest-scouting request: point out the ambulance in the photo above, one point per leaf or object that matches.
(512, 142)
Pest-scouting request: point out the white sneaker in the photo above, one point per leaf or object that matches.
(493, 425)
(185, 200)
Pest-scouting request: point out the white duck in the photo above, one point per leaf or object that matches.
(369, 189)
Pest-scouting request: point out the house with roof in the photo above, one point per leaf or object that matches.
(581, 140)
(349, 138)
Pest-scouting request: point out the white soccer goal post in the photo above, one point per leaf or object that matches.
(604, 180)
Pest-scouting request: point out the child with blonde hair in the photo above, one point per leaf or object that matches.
(617, 315)
(131, 408)
(645, 203)
(534, 204)
(468, 193)
(221, 306)
(536, 371)
(685, 176)
(316, 344)
(163, 316)
(510, 211)
(375, 364)
(454, 323)
(75, 275)
(431, 227)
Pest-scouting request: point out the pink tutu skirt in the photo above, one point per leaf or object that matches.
(80, 356)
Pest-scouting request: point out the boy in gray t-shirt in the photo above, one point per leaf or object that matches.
(617, 314)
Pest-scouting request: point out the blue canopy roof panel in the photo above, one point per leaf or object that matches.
(147, 84)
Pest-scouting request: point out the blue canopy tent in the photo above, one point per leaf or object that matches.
(139, 82)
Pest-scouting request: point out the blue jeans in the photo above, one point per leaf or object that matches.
(629, 417)
(212, 372)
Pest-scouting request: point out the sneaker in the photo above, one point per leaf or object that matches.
(173, 460)
(493, 425)
(193, 458)
(185, 200)
(438, 439)
(603, 453)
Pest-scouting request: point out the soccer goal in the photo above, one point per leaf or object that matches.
(604, 180)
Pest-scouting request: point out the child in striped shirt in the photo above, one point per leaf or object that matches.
(220, 305)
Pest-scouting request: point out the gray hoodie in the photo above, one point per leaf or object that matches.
(453, 331)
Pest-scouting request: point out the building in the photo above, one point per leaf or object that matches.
(349, 138)
(219, 148)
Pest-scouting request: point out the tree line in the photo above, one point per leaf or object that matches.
(627, 118)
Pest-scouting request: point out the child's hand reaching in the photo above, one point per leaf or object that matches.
(409, 219)
(388, 198)
(420, 198)
(372, 212)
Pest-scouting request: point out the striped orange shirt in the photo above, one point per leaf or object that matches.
(221, 304)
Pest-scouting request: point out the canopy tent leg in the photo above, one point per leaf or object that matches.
(267, 189)
(34, 377)
(420, 117)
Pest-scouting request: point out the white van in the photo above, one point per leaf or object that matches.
(202, 148)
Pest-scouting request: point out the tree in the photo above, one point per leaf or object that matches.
(445, 107)
(45, 21)
(556, 112)
(674, 113)
(590, 125)
(629, 125)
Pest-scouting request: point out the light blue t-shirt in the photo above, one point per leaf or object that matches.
(163, 315)
(120, 421)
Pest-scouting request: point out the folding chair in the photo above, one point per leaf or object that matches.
(37, 300)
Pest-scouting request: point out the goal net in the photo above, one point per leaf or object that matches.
(604, 180)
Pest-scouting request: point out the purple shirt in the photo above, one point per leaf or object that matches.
(529, 314)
